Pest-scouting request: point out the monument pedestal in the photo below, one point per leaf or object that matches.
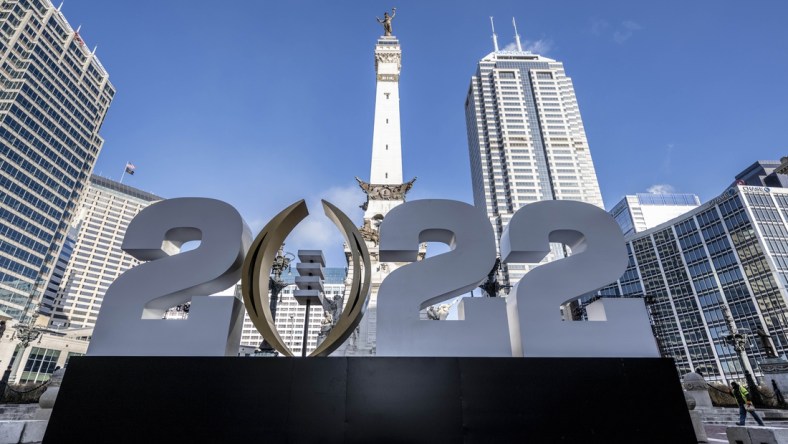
(375, 399)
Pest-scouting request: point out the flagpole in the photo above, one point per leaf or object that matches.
(124, 172)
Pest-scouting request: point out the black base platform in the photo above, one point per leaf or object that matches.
(369, 400)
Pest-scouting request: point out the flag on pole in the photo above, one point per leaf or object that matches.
(130, 168)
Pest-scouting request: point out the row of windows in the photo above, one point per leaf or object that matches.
(29, 197)
(32, 183)
(31, 154)
(21, 223)
(14, 266)
(39, 130)
(44, 86)
(75, 142)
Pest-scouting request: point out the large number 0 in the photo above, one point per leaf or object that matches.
(131, 314)
(598, 258)
(482, 329)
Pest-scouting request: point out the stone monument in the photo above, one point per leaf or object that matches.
(696, 387)
(386, 188)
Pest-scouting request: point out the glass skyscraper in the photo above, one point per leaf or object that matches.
(54, 94)
(525, 139)
(728, 254)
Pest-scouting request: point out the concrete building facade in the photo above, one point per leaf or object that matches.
(526, 140)
(97, 259)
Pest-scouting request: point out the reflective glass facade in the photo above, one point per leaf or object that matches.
(54, 95)
(729, 253)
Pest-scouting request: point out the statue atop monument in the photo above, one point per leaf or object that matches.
(764, 337)
(386, 22)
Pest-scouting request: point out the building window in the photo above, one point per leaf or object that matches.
(40, 364)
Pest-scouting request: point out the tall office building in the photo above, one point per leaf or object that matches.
(525, 139)
(639, 212)
(54, 95)
(97, 260)
(290, 315)
(728, 254)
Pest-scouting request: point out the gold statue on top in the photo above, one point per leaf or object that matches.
(386, 22)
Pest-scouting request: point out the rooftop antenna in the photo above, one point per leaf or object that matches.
(516, 35)
(59, 7)
(94, 50)
(78, 28)
(495, 37)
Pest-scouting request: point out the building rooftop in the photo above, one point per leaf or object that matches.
(123, 188)
(668, 199)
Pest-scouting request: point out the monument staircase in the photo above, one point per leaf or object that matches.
(730, 415)
(14, 412)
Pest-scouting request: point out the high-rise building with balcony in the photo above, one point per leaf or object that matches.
(97, 259)
(54, 95)
(525, 139)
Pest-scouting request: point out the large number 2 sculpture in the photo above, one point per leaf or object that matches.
(130, 322)
(482, 328)
(615, 327)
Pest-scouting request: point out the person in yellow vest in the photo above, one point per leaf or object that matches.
(745, 403)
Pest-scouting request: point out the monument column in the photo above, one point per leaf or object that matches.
(385, 189)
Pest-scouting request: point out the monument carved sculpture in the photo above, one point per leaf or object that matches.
(763, 338)
(386, 22)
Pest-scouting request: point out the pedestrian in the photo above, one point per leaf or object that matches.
(745, 403)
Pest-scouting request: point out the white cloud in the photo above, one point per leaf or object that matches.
(541, 46)
(661, 188)
(625, 31)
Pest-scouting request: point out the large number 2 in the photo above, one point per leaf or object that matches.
(482, 329)
(598, 257)
(130, 322)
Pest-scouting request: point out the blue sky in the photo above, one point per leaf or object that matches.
(263, 103)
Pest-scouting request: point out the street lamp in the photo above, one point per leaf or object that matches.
(738, 340)
(26, 333)
(276, 285)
